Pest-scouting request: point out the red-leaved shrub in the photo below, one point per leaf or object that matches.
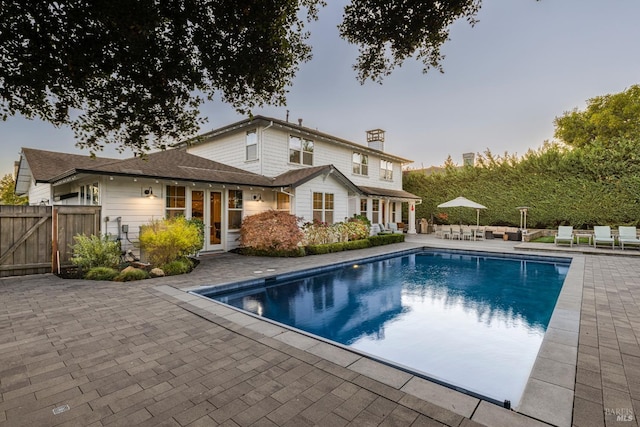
(271, 231)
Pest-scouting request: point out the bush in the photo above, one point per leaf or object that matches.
(297, 252)
(386, 239)
(130, 274)
(179, 266)
(164, 241)
(101, 273)
(357, 244)
(271, 231)
(94, 251)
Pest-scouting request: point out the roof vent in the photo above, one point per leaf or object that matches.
(375, 139)
(299, 122)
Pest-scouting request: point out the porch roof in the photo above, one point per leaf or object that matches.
(392, 194)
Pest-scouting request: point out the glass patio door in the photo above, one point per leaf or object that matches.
(213, 239)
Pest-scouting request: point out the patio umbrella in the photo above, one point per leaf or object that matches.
(463, 202)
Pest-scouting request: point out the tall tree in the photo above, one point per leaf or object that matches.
(7, 192)
(607, 118)
(134, 72)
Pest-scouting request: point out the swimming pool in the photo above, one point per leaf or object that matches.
(471, 321)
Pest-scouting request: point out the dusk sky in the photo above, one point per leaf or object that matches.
(505, 81)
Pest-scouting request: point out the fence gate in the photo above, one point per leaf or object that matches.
(37, 239)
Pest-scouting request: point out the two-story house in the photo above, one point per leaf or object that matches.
(225, 175)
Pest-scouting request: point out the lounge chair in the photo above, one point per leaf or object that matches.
(393, 228)
(564, 235)
(602, 234)
(627, 236)
(384, 230)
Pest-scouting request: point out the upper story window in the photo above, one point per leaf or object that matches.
(175, 201)
(386, 170)
(300, 150)
(360, 164)
(252, 145)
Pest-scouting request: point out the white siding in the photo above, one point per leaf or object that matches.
(230, 150)
(39, 192)
(125, 199)
(303, 200)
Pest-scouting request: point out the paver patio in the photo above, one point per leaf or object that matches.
(85, 353)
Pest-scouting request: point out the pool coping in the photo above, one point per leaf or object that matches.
(548, 395)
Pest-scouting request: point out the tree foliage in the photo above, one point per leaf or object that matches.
(598, 184)
(607, 118)
(389, 32)
(134, 73)
(8, 193)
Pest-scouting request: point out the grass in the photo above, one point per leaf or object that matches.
(549, 239)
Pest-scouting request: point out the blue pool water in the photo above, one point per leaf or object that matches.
(473, 322)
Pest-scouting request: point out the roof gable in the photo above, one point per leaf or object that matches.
(289, 127)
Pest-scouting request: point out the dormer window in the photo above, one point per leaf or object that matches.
(360, 164)
(300, 150)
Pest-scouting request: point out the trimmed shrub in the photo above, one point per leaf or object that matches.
(386, 239)
(297, 252)
(101, 273)
(94, 251)
(357, 244)
(271, 231)
(130, 274)
(179, 266)
(164, 241)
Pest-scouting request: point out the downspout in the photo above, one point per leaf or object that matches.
(262, 145)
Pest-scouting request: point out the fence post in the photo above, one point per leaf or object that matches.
(54, 239)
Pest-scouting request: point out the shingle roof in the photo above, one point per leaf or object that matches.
(48, 166)
(177, 164)
(385, 192)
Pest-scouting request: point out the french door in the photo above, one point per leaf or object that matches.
(213, 223)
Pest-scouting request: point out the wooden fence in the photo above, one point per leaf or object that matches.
(37, 239)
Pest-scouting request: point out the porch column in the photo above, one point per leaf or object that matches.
(412, 218)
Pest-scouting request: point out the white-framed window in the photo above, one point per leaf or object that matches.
(360, 164)
(323, 207)
(283, 202)
(251, 150)
(300, 150)
(375, 211)
(234, 209)
(393, 212)
(90, 194)
(175, 201)
(363, 207)
(386, 170)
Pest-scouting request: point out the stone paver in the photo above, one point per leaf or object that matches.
(147, 353)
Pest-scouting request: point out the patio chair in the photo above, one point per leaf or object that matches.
(564, 235)
(439, 231)
(627, 235)
(455, 232)
(479, 233)
(602, 234)
(467, 233)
